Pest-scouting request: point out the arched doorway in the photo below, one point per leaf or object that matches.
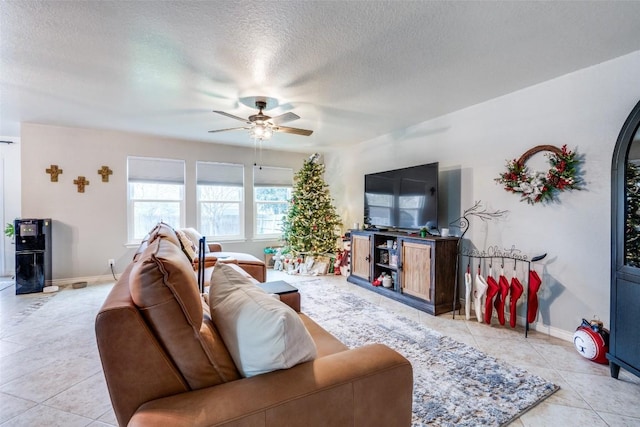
(624, 344)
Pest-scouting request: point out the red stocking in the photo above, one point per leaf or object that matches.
(534, 286)
(501, 300)
(492, 290)
(516, 292)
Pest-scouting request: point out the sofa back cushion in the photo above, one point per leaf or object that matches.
(261, 333)
(163, 286)
(164, 231)
(143, 245)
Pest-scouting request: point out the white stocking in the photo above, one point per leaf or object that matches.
(467, 299)
(480, 289)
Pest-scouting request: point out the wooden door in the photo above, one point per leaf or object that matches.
(361, 256)
(416, 269)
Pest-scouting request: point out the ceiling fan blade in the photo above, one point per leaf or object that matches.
(283, 118)
(224, 130)
(295, 131)
(232, 116)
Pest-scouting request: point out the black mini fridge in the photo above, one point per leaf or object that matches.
(33, 255)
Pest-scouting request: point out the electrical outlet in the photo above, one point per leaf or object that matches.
(111, 262)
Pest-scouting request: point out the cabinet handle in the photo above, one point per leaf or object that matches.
(367, 258)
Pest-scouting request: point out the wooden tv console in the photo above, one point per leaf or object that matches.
(423, 272)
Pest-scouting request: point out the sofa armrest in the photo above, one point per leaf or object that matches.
(367, 386)
(209, 261)
(215, 247)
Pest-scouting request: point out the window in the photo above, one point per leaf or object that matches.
(380, 208)
(156, 193)
(220, 200)
(411, 202)
(272, 188)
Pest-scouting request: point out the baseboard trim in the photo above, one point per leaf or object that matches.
(91, 280)
(551, 331)
(538, 327)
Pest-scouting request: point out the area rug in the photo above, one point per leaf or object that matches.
(454, 384)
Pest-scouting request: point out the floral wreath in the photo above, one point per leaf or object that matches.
(540, 187)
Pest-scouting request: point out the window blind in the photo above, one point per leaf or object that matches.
(210, 173)
(268, 176)
(147, 169)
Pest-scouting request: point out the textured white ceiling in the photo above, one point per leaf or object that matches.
(351, 70)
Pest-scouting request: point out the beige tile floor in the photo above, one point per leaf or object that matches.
(50, 373)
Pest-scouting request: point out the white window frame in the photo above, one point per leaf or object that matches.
(206, 176)
(156, 171)
(270, 177)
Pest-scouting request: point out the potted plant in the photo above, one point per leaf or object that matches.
(9, 230)
(423, 232)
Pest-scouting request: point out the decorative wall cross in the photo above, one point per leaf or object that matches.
(105, 172)
(81, 182)
(54, 171)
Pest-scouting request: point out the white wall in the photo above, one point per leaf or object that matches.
(91, 227)
(584, 110)
(10, 202)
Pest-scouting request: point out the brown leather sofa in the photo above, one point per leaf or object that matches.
(165, 364)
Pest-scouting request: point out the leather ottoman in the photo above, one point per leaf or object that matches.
(287, 293)
(252, 265)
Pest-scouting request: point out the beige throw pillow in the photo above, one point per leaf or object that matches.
(195, 236)
(261, 333)
(187, 245)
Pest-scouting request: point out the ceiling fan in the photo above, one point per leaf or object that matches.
(261, 126)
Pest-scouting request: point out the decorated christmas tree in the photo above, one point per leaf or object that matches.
(632, 242)
(312, 225)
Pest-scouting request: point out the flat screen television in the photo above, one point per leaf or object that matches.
(404, 198)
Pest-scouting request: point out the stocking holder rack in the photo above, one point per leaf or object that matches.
(491, 253)
(494, 253)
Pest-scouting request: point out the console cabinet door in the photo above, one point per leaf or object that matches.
(416, 269)
(361, 256)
